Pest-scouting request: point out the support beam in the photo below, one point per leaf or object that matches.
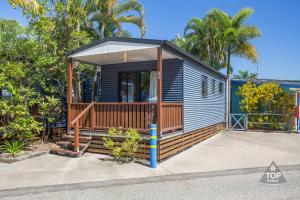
(70, 87)
(159, 90)
(92, 117)
(76, 137)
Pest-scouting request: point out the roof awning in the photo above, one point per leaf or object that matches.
(113, 52)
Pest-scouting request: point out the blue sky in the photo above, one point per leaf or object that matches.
(278, 21)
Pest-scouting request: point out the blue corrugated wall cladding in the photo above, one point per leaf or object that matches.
(172, 78)
(199, 111)
(172, 86)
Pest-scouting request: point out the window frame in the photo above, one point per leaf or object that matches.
(221, 88)
(213, 86)
(204, 86)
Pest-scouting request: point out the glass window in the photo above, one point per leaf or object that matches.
(128, 87)
(203, 86)
(213, 86)
(221, 88)
(134, 86)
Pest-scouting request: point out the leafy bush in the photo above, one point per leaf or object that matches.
(28, 110)
(125, 148)
(12, 148)
(267, 98)
(31, 79)
(50, 111)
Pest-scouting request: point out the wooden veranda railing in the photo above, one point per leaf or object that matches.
(138, 115)
(103, 116)
(172, 118)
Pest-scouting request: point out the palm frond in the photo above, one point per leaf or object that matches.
(241, 16)
(136, 20)
(194, 25)
(248, 51)
(248, 32)
(128, 6)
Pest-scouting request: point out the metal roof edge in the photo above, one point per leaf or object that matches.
(266, 80)
(115, 39)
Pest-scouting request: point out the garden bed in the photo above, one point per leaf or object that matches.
(31, 151)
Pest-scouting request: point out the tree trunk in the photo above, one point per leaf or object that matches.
(94, 86)
(228, 62)
(77, 85)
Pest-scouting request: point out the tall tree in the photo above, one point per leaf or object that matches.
(62, 25)
(69, 18)
(237, 38)
(110, 15)
(206, 38)
(218, 37)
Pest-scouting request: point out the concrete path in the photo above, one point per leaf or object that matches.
(230, 150)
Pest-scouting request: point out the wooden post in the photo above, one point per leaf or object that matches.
(76, 137)
(92, 116)
(159, 90)
(70, 88)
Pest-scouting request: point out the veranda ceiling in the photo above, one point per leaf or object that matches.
(113, 52)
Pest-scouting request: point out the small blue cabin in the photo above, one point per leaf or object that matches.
(142, 82)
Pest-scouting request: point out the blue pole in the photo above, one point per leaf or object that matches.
(153, 146)
(298, 121)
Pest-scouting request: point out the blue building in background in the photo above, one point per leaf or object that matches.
(289, 86)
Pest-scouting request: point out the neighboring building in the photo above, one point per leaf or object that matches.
(289, 86)
(145, 82)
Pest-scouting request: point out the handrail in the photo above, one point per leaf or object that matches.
(75, 103)
(82, 113)
(76, 128)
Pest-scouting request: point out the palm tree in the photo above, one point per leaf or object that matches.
(110, 15)
(205, 37)
(218, 37)
(245, 75)
(183, 43)
(237, 36)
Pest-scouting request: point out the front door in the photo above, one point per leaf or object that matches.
(137, 86)
(128, 87)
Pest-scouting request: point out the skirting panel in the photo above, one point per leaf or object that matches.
(177, 144)
(97, 146)
(166, 147)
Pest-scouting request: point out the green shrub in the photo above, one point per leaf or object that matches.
(125, 148)
(267, 98)
(12, 148)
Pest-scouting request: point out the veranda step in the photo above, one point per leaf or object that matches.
(83, 138)
(68, 143)
(62, 151)
(63, 147)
